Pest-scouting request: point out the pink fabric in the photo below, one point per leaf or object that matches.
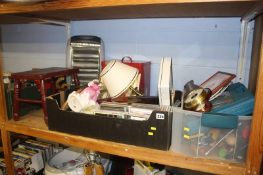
(93, 90)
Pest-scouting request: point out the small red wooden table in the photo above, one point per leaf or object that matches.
(41, 75)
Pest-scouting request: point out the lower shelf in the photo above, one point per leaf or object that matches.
(33, 125)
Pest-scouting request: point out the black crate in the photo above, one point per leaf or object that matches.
(152, 133)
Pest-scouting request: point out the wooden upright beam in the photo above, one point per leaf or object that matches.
(255, 148)
(7, 151)
(2, 95)
(5, 135)
(254, 64)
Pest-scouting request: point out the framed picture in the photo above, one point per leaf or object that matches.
(217, 81)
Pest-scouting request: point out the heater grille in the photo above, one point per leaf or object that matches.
(86, 53)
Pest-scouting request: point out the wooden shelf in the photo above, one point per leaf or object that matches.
(34, 125)
(11, 19)
(72, 10)
(116, 9)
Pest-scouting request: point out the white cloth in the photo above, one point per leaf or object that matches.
(79, 101)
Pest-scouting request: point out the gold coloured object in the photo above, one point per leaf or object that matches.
(93, 165)
(194, 98)
(93, 169)
(88, 169)
(135, 91)
(99, 169)
(197, 100)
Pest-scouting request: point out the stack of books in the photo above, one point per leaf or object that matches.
(29, 157)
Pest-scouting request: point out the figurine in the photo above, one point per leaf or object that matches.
(93, 90)
(86, 99)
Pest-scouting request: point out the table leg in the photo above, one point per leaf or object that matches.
(53, 85)
(16, 105)
(76, 80)
(43, 99)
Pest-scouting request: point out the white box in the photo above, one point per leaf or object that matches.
(165, 82)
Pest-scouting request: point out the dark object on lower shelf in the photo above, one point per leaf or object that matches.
(121, 166)
(153, 133)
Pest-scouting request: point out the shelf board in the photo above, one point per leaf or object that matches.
(123, 9)
(34, 125)
(15, 19)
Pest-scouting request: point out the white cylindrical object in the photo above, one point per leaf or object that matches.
(79, 101)
(118, 77)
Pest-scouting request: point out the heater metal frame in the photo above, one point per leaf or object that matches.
(86, 53)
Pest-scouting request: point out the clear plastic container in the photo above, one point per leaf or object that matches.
(190, 137)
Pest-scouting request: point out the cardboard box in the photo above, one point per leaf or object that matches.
(153, 133)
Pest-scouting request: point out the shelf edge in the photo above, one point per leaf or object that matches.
(162, 157)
